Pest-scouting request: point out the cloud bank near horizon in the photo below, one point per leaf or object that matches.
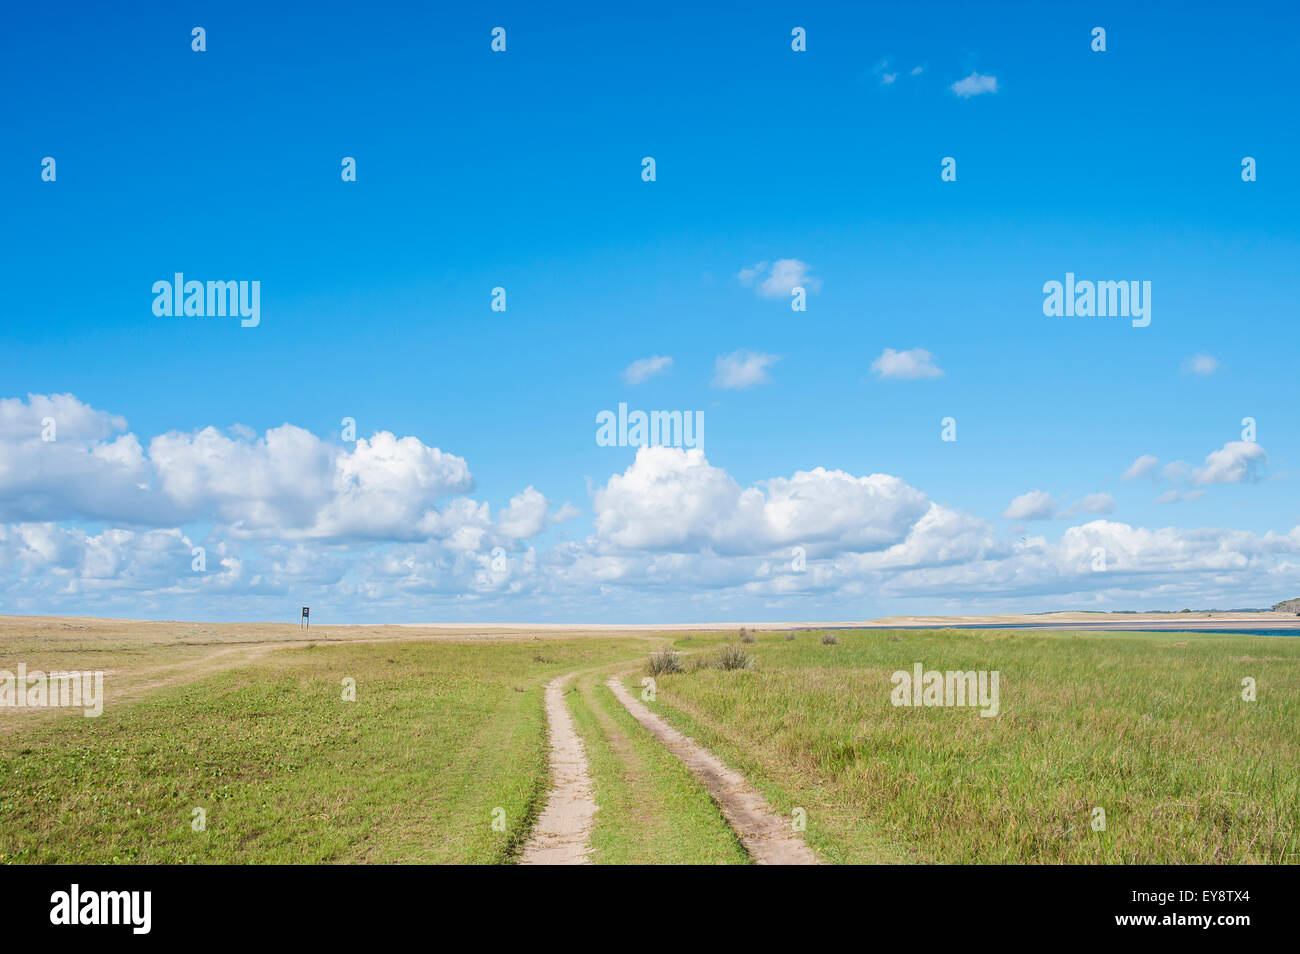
(99, 520)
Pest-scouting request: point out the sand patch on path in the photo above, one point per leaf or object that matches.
(562, 835)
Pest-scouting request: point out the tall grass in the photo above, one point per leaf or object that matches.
(1150, 728)
(733, 657)
(665, 661)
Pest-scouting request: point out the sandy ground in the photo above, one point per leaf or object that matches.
(1120, 620)
(70, 631)
(562, 835)
(767, 836)
(54, 631)
(1053, 620)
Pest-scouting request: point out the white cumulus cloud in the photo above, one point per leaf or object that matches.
(1201, 364)
(384, 530)
(1234, 463)
(742, 369)
(975, 85)
(911, 364)
(675, 499)
(1035, 505)
(287, 484)
(645, 368)
(1144, 465)
(780, 279)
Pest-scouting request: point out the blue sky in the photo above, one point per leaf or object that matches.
(522, 169)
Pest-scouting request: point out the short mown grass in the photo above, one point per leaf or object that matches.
(1151, 728)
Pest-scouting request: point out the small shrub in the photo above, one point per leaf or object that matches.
(829, 639)
(664, 662)
(746, 636)
(791, 636)
(733, 657)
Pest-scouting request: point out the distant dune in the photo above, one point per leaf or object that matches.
(201, 633)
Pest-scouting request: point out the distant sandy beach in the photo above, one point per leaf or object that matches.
(197, 633)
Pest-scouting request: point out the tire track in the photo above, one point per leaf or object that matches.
(562, 835)
(766, 835)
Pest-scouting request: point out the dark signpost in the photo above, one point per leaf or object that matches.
(306, 618)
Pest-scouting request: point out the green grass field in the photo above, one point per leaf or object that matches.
(1149, 727)
(439, 736)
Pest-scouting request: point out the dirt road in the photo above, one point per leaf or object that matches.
(562, 835)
